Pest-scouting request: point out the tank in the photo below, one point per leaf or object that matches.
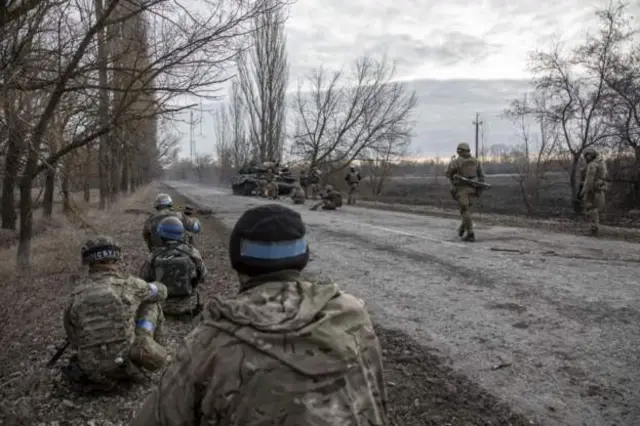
(246, 182)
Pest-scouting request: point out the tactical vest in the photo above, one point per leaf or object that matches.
(467, 167)
(174, 267)
(352, 177)
(103, 327)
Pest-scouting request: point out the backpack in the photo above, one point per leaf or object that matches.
(175, 269)
(102, 324)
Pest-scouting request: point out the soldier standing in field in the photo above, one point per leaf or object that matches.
(464, 166)
(593, 187)
(353, 180)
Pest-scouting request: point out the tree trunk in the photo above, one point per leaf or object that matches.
(103, 111)
(49, 188)
(66, 203)
(573, 179)
(26, 211)
(9, 184)
(124, 179)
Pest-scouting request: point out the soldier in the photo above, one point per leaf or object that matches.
(304, 182)
(297, 195)
(163, 205)
(466, 166)
(179, 266)
(593, 187)
(353, 180)
(314, 181)
(112, 320)
(284, 351)
(331, 199)
(192, 225)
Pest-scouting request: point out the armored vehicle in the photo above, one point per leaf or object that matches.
(246, 182)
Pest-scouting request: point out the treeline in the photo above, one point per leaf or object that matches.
(89, 89)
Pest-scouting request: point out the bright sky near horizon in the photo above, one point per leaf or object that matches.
(486, 40)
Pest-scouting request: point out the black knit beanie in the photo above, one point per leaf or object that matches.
(268, 238)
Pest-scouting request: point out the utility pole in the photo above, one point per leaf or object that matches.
(477, 123)
(192, 142)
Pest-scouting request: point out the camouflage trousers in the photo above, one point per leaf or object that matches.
(351, 196)
(594, 203)
(180, 306)
(98, 367)
(463, 197)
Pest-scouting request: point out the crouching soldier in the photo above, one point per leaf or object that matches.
(297, 195)
(179, 266)
(164, 208)
(331, 199)
(112, 321)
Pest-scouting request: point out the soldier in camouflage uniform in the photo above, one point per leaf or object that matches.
(112, 320)
(353, 180)
(593, 188)
(314, 182)
(284, 351)
(464, 165)
(297, 195)
(179, 266)
(192, 225)
(331, 199)
(163, 205)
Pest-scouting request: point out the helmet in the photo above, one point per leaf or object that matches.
(328, 187)
(463, 147)
(163, 201)
(171, 228)
(589, 151)
(99, 249)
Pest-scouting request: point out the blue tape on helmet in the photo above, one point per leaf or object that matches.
(145, 325)
(273, 251)
(170, 231)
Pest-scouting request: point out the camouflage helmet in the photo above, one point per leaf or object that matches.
(589, 151)
(163, 201)
(99, 249)
(170, 228)
(463, 147)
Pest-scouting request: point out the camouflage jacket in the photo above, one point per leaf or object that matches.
(93, 333)
(285, 352)
(468, 167)
(148, 230)
(147, 271)
(594, 175)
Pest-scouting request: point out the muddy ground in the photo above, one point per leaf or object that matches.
(423, 390)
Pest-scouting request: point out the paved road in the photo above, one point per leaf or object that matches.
(547, 322)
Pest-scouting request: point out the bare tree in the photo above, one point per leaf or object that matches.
(575, 87)
(380, 160)
(342, 117)
(263, 75)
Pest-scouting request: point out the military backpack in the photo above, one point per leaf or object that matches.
(175, 268)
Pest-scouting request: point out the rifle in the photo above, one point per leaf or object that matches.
(473, 183)
(58, 353)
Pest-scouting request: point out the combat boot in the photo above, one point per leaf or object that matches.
(461, 230)
(470, 237)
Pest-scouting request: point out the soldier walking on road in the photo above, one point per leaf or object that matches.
(464, 166)
(353, 180)
(593, 187)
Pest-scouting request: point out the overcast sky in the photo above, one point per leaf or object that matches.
(434, 40)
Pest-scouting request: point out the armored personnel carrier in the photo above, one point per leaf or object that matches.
(246, 182)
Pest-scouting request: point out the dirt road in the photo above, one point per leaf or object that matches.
(547, 322)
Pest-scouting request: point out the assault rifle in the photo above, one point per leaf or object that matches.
(473, 183)
(58, 353)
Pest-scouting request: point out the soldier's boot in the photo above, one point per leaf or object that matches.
(470, 237)
(461, 230)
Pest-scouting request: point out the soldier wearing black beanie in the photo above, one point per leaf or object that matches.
(268, 239)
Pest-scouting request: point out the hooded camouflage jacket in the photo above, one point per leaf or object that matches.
(286, 352)
(150, 225)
